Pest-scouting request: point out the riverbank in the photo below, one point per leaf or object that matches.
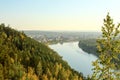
(75, 56)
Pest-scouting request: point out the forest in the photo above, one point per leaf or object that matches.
(89, 46)
(23, 58)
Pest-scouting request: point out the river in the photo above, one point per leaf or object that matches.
(75, 56)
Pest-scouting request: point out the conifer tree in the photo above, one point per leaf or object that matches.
(106, 66)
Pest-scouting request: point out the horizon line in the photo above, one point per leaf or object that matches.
(61, 30)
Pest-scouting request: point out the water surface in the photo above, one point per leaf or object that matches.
(75, 56)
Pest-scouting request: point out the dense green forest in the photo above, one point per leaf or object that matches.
(23, 58)
(89, 46)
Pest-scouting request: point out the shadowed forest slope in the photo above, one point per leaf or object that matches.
(23, 58)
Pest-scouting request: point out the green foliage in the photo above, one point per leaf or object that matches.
(106, 67)
(23, 58)
(88, 45)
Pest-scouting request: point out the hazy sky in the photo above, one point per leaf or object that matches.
(78, 15)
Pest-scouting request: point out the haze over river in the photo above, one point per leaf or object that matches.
(75, 56)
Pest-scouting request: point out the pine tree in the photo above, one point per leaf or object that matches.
(39, 69)
(1, 72)
(106, 66)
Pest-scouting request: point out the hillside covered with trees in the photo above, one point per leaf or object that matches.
(89, 46)
(23, 58)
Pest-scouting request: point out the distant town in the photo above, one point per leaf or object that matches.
(55, 37)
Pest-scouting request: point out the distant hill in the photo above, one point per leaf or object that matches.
(89, 46)
(23, 58)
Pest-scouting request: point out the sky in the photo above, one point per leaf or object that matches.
(59, 15)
